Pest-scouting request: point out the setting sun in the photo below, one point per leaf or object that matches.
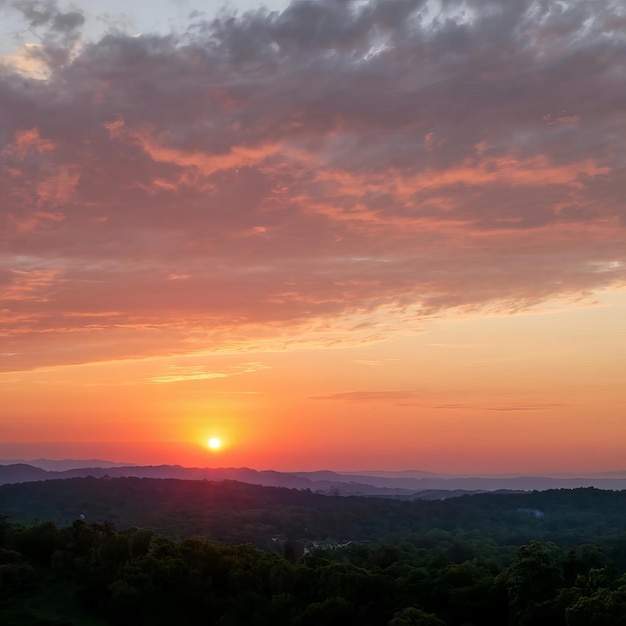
(343, 281)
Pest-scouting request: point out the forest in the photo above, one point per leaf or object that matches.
(196, 552)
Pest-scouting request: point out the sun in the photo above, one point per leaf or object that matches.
(214, 443)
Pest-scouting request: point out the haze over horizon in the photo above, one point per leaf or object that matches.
(408, 483)
(328, 235)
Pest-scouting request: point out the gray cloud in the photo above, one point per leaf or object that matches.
(278, 169)
(37, 12)
(57, 33)
(67, 22)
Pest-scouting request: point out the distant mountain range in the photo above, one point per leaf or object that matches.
(66, 464)
(411, 483)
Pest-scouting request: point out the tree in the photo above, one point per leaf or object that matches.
(534, 580)
(415, 617)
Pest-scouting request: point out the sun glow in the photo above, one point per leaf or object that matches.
(214, 443)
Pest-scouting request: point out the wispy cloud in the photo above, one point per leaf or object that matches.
(419, 399)
(499, 407)
(181, 373)
(368, 396)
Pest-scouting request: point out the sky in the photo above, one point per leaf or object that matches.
(333, 234)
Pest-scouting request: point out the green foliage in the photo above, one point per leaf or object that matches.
(436, 571)
(289, 520)
(415, 617)
(533, 582)
(16, 578)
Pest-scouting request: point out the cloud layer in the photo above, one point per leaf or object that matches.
(267, 176)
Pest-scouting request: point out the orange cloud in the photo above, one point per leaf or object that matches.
(259, 183)
(29, 141)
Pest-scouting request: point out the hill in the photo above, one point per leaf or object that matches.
(474, 559)
(408, 484)
(234, 512)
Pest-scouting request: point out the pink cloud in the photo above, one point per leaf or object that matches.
(260, 177)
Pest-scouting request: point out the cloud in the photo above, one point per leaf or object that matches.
(37, 13)
(501, 407)
(182, 373)
(57, 36)
(305, 169)
(416, 399)
(368, 396)
(41, 13)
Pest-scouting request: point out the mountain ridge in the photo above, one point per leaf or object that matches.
(322, 481)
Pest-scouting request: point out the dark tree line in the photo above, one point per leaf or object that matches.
(231, 512)
(92, 574)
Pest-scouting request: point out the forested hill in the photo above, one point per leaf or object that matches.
(486, 559)
(233, 512)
